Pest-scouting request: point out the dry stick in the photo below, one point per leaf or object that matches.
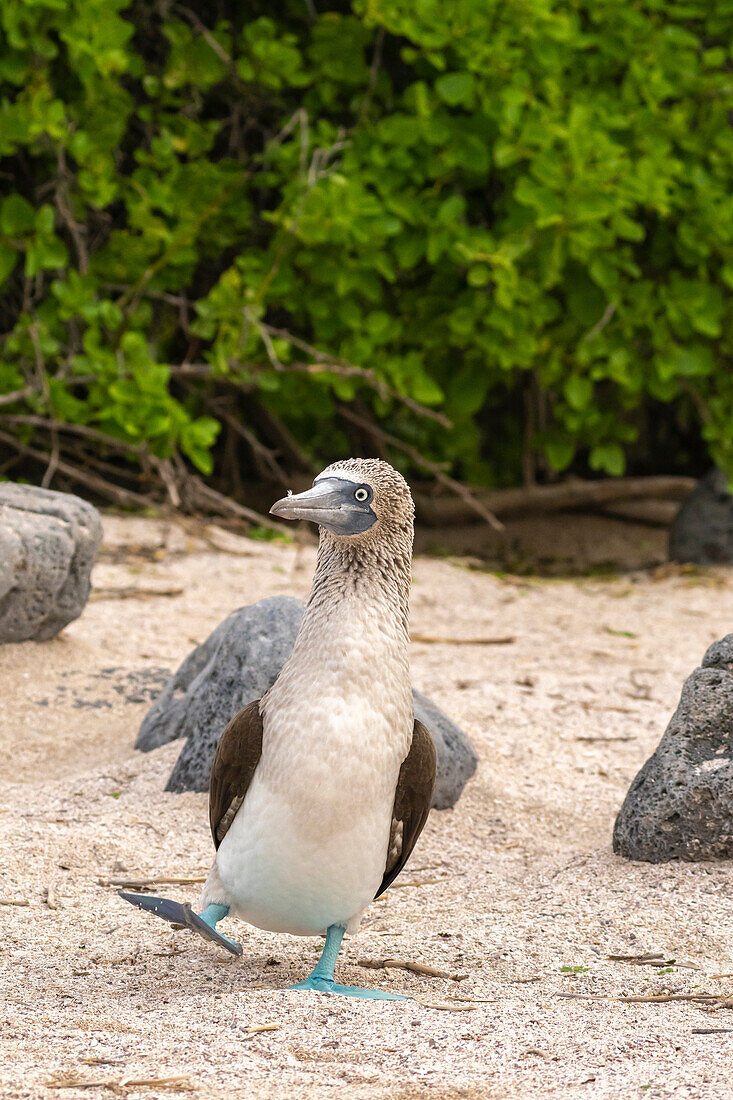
(64, 206)
(126, 1084)
(14, 901)
(74, 429)
(657, 998)
(420, 882)
(469, 500)
(649, 958)
(554, 498)
(127, 496)
(256, 1029)
(334, 364)
(272, 426)
(142, 883)
(17, 395)
(267, 455)
(373, 73)
(428, 639)
(132, 593)
(413, 967)
(651, 513)
(167, 475)
(591, 740)
(207, 36)
(98, 484)
(229, 505)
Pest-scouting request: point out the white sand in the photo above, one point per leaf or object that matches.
(515, 884)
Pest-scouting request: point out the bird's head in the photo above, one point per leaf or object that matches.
(354, 500)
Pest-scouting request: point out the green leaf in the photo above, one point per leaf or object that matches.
(478, 276)
(578, 392)
(8, 260)
(455, 88)
(608, 457)
(450, 210)
(560, 453)
(17, 216)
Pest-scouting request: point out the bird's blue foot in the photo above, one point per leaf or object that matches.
(328, 985)
(182, 914)
(321, 980)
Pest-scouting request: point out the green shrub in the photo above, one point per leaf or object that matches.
(463, 206)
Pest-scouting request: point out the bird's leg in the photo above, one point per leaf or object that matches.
(321, 978)
(211, 916)
(176, 913)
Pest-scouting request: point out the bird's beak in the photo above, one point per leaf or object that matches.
(331, 504)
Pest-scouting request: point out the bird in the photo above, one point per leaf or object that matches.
(320, 789)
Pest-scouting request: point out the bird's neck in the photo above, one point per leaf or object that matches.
(358, 603)
(347, 683)
(377, 573)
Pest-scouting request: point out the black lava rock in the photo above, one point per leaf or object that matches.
(238, 662)
(48, 545)
(680, 806)
(702, 530)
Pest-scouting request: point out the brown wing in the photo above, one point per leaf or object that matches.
(237, 755)
(412, 802)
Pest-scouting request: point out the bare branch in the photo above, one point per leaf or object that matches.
(542, 499)
(461, 491)
(602, 321)
(333, 364)
(17, 395)
(75, 429)
(227, 506)
(75, 473)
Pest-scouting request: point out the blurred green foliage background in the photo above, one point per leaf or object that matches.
(498, 232)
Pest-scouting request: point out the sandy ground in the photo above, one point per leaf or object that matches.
(517, 888)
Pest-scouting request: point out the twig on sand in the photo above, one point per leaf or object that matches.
(14, 901)
(413, 967)
(130, 592)
(649, 958)
(421, 882)
(430, 639)
(148, 883)
(256, 1029)
(600, 740)
(712, 1000)
(446, 1006)
(477, 1000)
(122, 1087)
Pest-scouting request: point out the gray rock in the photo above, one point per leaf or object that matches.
(680, 806)
(238, 662)
(702, 530)
(48, 543)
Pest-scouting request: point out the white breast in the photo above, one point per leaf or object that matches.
(308, 847)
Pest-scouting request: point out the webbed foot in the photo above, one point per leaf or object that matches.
(181, 913)
(328, 985)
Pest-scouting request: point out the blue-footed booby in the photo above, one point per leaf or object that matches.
(320, 789)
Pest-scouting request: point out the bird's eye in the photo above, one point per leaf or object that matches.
(361, 495)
